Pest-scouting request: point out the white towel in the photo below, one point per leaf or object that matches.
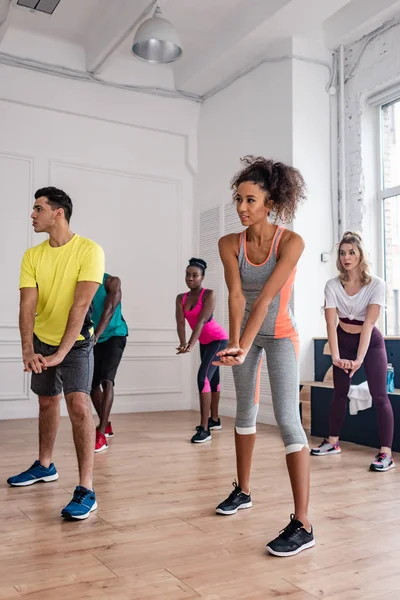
(360, 397)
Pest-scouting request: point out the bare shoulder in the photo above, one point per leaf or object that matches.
(229, 242)
(179, 297)
(291, 240)
(209, 293)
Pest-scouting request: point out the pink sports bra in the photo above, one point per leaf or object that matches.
(212, 331)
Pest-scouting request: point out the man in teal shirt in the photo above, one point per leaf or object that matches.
(110, 336)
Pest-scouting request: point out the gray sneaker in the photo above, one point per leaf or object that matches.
(382, 462)
(326, 448)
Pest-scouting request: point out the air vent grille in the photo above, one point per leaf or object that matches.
(45, 6)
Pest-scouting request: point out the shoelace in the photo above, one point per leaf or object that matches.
(34, 466)
(380, 457)
(236, 490)
(79, 496)
(290, 530)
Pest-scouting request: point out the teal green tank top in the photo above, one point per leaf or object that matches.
(117, 325)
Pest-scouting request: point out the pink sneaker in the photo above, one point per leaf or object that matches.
(101, 442)
(383, 462)
(109, 432)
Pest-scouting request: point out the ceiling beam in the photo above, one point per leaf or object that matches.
(236, 26)
(245, 37)
(117, 20)
(5, 6)
(356, 19)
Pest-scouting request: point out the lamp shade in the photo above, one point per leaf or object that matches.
(157, 41)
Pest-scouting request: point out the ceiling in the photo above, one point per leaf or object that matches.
(220, 37)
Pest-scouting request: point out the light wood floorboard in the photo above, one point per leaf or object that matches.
(155, 534)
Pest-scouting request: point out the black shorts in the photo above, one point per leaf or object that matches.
(74, 374)
(107, 356)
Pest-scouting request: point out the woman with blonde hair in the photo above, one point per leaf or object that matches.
(356, 297)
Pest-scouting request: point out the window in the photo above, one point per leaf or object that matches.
(390, 198)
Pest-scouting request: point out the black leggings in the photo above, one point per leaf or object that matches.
(208, 375)
(375, 365)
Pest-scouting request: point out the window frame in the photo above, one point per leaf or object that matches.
(380, 101)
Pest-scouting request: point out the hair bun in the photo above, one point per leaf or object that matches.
(198, 262)
(351, 234)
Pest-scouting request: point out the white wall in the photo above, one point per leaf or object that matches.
(378, 69)
(281, 111)
(314, 137)
(252, 116)
(128, 162)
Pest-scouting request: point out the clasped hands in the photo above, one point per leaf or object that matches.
(232, 355)
(348, 366)
(37, 362)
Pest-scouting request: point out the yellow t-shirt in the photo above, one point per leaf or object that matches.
(55, 272)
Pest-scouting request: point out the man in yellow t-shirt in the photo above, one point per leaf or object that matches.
(58, 281)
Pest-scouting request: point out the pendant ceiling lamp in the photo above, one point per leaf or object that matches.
(156, 40)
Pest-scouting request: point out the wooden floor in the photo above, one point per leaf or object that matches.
(155, 534)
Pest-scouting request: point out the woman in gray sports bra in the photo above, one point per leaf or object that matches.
(260, 266)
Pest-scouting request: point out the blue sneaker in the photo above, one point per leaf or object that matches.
(82, 504)
(34, 474)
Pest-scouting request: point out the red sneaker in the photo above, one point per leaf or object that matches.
(101, 442)
(109, 432)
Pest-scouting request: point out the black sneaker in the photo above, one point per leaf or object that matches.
(212, 424)
(202, 435)
(234, 502)
(292, 540)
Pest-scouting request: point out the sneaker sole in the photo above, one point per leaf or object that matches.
(294, 552)
(32, 481)
(325, 453)
(219, 511)
(375, 470)
(201, 441)
(69, 517)
(216, 428)
(109, 435)
(101, 449)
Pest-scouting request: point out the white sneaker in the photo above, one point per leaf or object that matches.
(326, 448)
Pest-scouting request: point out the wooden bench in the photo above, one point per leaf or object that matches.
(361, 428)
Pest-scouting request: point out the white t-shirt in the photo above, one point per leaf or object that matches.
(354, 307)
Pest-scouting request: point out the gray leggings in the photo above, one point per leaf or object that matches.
(284, 380)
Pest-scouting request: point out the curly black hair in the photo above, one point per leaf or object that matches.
(199, 263)
(284, 185)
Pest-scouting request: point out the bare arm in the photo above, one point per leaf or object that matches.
(205, 314)
(84, 292)
(291, 248)
(180, 321)
(114, 294)
(331, 325)
(228, 246)
(27, 312)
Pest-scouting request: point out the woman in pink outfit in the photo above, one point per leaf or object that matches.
(197, 307)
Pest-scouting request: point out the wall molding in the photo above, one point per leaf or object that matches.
(30, 160)
(147, 392)
(25, 383)
(190, 158)
(120, 173)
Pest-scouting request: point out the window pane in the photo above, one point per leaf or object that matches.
(391, 144)
(392, 264)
